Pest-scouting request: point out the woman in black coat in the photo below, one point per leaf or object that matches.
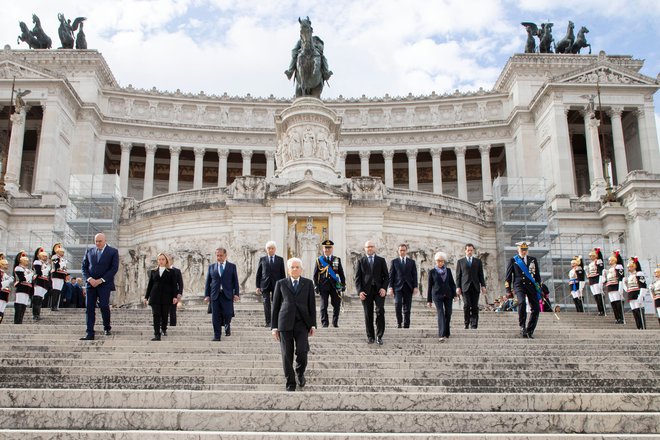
(161, 294)
(441, 291)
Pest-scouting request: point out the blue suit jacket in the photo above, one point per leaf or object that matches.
(223, 288)
(105, 268)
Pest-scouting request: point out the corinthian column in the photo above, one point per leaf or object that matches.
(270, 163)
(222, 167)
(412, 169)
(364, 163)
(124, 167)
(148, 188)
(247, 162)
(198, 179)
(487, 189)
(620, 160)
(13, 174)
(460, 172)
(175, 150)
(388, 155)
(437, 170)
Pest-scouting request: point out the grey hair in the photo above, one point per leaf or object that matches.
(271, 243)
(290, 262)
(440, 256)
(223, 250)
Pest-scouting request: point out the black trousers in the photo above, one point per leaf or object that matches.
(54, 299)
(402, 306)
(173, 315)
(160, 312)
(471, 307)
(600, 304)
(523, 297)
(267, 296)
(444, 309)
(374, 299)
(295, 341)
(19, 312)
(579, 307)
(37, 301)
(332, 295)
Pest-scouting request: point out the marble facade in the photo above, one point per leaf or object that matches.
(198, 171)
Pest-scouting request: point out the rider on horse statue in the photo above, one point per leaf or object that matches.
(326, 73)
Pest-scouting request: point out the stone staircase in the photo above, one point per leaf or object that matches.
(582, 377)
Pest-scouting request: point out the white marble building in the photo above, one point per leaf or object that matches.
(198, 171)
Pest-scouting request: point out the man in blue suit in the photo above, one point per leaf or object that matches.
(99, 268)
(403, 284)
(222, 291)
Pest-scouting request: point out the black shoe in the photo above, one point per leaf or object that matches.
(216, 339)
(267, 325)
(335, 325)
(301, 381)
(325, 325)
(107, 332)
(164, 333)
(467, 326)
(156, 338)
(522, 331)
(474, 327)
(398, 326)
(87, 338)
(172, 325)
(380, 341)
(371, 341)
(525, 335)
(290, 387)
(530, 336)
(228, 333)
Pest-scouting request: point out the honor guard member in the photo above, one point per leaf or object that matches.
(523, 277)
(594, 275)
(635, 286)
(6, 280)
(613, 276)
(58, 274)
(329, 282)
(41, 268)
(23, 276)
(574, 284)
(655, 290)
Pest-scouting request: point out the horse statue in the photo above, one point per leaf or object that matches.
(565, 45)
(43, 39)
(546, 38)
(27, 37)
(67, 29)
(581, 41)
(308, 62)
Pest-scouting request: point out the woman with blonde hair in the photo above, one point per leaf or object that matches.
(441, 292)
(5, 285)
(161, 294)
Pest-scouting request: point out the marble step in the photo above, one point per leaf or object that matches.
(226, 435)
(328, 401)
(319, 421)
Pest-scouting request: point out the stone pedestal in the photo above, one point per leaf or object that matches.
(307, 139)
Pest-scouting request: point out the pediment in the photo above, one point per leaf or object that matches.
(309, 189)
(10, 69)
(605, 73)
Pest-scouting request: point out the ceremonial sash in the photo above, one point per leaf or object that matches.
(328, 267)
(525, 271)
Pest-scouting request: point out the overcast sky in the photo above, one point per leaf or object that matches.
(374, 47)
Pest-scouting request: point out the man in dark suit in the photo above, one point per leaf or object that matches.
(524, 288)
(269, 272)
(403, 284)
(371, 279)
(329, 281)
(179, 288)
(222, 291)
(67, 293)
(293, 321)
(469, 282)
(99, 267)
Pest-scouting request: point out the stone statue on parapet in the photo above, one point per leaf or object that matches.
(544, 34)
(308, 62)
(66, 32)
(19, 102)
(569, 44)
(35, 38)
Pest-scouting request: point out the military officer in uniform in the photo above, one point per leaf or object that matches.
(329, 282)
(523, 277)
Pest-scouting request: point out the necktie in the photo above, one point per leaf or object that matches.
(403, 261)
(295, 286)
(98, 254)
(371, 260)
(272, 260)
(221, 268)
(327, 259)
(470, 261)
